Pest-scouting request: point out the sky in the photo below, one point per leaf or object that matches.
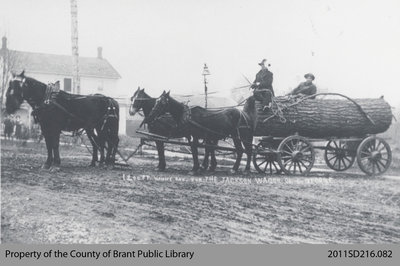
(352, 47)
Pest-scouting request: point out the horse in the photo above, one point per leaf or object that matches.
(165, 125)
(67, 112)
(211, 126)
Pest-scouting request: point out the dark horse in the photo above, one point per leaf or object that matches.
(165, 125)
(67, 112)
(211, 126)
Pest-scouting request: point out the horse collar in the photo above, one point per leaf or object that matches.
(186, 115)
(30, 100)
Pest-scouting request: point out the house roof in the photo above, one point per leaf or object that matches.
(62, 65)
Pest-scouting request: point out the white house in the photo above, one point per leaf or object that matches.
(97, 75)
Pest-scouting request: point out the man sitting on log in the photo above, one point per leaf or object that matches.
(262, 85)
(306, 88)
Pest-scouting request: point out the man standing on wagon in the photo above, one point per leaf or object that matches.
(306, 88)
(262, 85)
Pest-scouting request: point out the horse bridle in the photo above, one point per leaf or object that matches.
(30, 100)
(134, 98)
(22, 84)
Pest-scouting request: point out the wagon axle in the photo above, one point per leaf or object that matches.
(297, 156)
(375, 156)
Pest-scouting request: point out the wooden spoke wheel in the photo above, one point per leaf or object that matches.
(374, 156)
(265, 160)
(296, 155)
(338, 155)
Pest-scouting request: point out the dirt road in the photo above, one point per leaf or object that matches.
(80, 204)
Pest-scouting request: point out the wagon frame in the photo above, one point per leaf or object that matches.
(295, 155)
(273, 155)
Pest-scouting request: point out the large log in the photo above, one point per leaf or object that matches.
(324, 118)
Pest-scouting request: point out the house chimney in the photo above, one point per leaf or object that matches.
(4, 43)
(99, 52)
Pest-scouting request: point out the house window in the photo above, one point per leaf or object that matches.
(67, 85)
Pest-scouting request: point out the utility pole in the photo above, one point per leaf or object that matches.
(206, 72)
(76, 86)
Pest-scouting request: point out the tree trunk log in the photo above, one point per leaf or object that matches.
(324, 118)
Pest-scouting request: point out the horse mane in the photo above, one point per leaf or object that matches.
(145, 94)
(249, 104)
(34, 82)
(38, 84)
(147, 105)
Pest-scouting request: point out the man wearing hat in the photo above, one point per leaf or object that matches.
(262, 85)
(306, 88)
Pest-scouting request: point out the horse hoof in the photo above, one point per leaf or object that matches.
(247, 171)
(211, 170)
(54, 169)
(193, 172)
(109, 166)
(92, 164)
(45, 166)
(233, 171)
(160, 168)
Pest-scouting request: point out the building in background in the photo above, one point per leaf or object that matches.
(97, 75)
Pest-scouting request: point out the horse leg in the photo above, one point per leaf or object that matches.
(110, 151)
(213, 165)
(247, 142)
(207, 152)
(193, 146)
(105, 145)
(112, 145)
(102, 145)
(115, 148)
(47, 164)
(91, 137)
(239, 152)
(56, 153)
(102, 149)
(161, 156)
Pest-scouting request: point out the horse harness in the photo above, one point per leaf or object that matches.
(50, 98)
(187, 119)
(111, 112)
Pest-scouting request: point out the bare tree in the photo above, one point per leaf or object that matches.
(8, 62)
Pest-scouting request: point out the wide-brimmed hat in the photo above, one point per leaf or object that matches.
(262, 63)
(309, 75)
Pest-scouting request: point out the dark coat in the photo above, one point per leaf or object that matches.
(265, 78)
(305, 89)
(8, 126)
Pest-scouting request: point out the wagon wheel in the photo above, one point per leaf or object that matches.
(374, 156)
(338, 156)
(265, 160)
(296, 155)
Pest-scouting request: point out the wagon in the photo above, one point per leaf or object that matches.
(292, 130)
